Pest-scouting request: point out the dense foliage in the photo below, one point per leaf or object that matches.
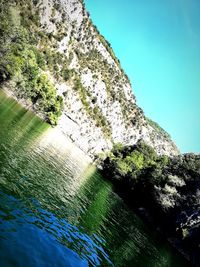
(22, 63)
(169, 187)
(131, 163)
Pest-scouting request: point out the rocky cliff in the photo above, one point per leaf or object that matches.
(55, 60)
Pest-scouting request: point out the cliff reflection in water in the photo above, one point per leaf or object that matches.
(57, 210)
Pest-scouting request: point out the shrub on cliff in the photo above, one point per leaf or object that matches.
(22, 62)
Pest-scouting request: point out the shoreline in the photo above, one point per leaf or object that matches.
(28, 106)
(145, 214)
(142, 212)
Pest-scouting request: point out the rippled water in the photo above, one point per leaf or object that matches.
(56, 210)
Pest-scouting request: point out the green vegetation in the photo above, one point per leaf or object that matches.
(66, 73)
(132, 162)
(167, 187)
(22, 63)
(27, 52)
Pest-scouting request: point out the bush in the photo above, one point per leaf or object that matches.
(23, 62)
(66, 73)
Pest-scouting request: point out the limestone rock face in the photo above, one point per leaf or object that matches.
(99, 104)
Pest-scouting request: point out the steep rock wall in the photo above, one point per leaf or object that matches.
(99, 105)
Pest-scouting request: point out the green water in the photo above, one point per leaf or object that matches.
(57, 210)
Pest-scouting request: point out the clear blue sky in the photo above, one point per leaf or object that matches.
(158, 44)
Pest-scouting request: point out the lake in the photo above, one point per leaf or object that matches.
(57, 210)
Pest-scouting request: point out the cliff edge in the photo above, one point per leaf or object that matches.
(56, 62)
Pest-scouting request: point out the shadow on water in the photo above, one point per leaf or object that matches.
(127, 240)
(57, 210)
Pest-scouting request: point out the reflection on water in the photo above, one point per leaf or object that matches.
(31, 227)
(57, 210)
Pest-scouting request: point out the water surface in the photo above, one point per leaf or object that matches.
(56, 209)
